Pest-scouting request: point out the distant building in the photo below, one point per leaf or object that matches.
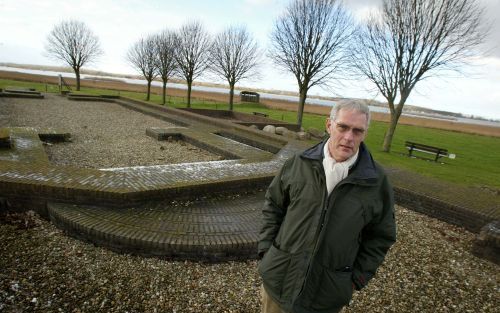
(249, 96)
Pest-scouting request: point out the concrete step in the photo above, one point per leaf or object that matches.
(223, 228)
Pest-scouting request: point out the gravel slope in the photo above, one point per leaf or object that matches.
(429, 269)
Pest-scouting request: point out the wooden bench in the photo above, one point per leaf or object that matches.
(260, 114)
(413, 146)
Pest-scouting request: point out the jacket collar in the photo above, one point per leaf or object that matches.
(363, 169)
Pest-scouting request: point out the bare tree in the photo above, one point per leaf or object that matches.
(234, 56)
(142, 56)
(74, 43)
(411, 40)
(166, 48)
(192, 54)
(311, 40)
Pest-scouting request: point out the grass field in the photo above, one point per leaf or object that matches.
(477, 162)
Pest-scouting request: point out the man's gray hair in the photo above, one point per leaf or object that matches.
(351, 105)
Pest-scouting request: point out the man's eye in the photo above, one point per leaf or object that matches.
(358, 132)
(343, 128)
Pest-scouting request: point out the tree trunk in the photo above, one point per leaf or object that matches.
(231, 96)
(164, 92)
(149, 90)
(392, 128)
(302, 102)
(189, 94)
(77, 73)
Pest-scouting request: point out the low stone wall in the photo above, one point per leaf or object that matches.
(244, 119)
(21, 93)
(441, 210)
(212, 229)
(225, 114)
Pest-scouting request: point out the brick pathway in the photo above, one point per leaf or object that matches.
(213, 229)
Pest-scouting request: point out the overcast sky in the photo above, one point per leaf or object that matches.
(25, 24)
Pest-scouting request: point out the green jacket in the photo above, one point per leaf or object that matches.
(317, 246)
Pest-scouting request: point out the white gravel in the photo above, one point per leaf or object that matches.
(429, 269)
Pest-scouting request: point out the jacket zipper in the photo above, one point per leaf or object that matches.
(322, 222)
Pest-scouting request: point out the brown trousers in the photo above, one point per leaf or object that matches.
(269, 305)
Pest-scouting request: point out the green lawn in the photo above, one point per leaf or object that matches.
(477, 162)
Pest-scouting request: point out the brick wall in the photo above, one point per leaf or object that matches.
(441, 210)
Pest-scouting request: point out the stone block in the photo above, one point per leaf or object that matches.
(304, 135)
(487, 243)
(316, 133)
(270, 129)
(53, 135)
(291, 134)
(281, 130)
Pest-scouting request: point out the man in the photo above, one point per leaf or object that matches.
(328, 221)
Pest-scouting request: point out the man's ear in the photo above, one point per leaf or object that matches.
(328, 124)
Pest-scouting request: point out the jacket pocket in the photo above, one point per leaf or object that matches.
(273, 269)
(371, 211)
(335, 290)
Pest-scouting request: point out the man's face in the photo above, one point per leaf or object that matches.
(347, 132)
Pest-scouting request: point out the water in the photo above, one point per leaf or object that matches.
(263, 95)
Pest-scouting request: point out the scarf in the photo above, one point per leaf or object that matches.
(336, 171)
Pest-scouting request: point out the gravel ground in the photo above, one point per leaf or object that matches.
(104, 134)
(429, 269)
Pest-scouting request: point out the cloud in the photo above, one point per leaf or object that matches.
(258, 2)
(492, 44)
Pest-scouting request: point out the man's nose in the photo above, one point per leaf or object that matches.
(349, 135)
